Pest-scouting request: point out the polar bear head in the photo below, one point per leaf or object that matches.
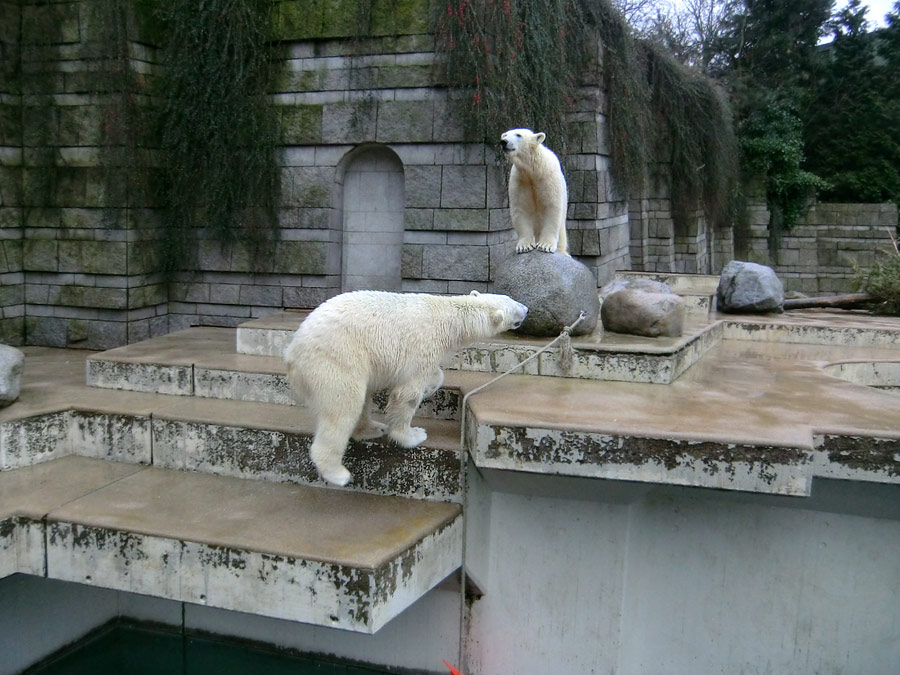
(520, 141)
(505, 313)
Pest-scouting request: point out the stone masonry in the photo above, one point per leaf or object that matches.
(379, 188)
(820, 255)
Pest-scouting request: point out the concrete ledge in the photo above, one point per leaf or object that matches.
(719, 465)
(201, 362)
(599, 356)
(204, 440)
(813, 327)
(332, 558)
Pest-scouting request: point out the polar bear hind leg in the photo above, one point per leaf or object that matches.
(338, 414)
(366, 427)
(435, 380)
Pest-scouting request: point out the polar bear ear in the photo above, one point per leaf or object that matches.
(474, 293)
(540, 136)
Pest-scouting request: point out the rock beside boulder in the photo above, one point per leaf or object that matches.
(647, 285)
(554, 287)
(746, 287)
(647, 313)
(11, 363)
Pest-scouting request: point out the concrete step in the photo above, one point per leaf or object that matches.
(202, 362)
(326, 557)
(229, 438)
(57, 415)
(598, 356)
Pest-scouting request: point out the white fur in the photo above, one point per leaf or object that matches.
(538, 197)
(359, 343)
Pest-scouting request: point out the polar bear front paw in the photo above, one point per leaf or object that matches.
(547, 247)
(409, 438)
(339, 476)
(523, 246)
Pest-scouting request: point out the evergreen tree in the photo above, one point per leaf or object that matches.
(853, 131)
(769, 48)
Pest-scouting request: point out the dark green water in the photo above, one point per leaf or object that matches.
(128, 650)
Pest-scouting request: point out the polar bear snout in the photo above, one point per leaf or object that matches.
(510, 140)
(519, 314)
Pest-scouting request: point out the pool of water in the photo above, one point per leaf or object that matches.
(142, 651)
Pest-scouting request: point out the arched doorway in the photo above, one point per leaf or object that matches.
(372, 209)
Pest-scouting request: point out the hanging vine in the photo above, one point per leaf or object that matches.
(219, 131)
(695, 135)
(525, 60)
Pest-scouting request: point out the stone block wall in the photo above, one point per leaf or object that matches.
(78, 232)
(659, 243)
(818, 256)
(12, 275)
(341, 96)
(84, 254)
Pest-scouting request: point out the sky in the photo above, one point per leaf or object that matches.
(877, 10)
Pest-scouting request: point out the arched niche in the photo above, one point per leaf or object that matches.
(372, 203)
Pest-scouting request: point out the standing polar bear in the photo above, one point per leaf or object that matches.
(538, 198)
(358, 343)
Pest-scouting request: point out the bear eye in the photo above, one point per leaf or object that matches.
(519, 135)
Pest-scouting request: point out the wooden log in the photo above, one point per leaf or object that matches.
(841, 301)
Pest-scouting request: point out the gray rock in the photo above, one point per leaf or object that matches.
(746, 287)
(554, 287)
(647, 285)
(11, 362)
(646, 313)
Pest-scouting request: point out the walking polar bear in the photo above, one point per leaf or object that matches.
(358, 343)
(538, 197)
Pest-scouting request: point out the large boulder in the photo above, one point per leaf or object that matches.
(11, 362)
(746, 287)
(640, 312)
(554, 287)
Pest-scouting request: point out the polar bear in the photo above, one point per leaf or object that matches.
(358, 343)
(538, 197)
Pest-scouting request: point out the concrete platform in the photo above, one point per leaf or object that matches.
(753, 416)
(328, 557)
(202, 362)
(598, 356)
(57, 415)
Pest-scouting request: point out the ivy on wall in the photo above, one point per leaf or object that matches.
(219, 131)
(526, 60)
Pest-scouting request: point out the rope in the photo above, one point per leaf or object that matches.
(566, 356)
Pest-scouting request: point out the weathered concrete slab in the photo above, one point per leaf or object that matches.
(327, 557)
(268, 336)
(818, 327)
(32, 440)
(429, 472)
(598, 356)
(719, 465)
(28, 494)
(208, 367)
(884, 375)
(761, 417)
